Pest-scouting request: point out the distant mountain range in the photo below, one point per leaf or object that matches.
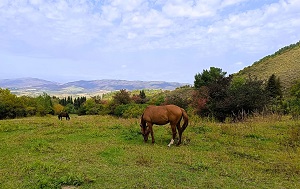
(34, 86)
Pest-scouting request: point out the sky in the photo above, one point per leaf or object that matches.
(144, 40)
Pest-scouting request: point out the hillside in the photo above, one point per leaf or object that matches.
(285, 64)
(25, 83)
(34, 86)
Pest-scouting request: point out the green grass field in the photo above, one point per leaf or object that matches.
(109, 152)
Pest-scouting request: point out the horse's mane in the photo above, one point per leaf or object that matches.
(143, 122)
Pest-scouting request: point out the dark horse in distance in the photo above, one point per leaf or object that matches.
(63, 114)
(161, 115)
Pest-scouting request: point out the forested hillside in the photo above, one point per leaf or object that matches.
(285, 64)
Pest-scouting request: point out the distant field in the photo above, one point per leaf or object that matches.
(60, 94)
(109, 152)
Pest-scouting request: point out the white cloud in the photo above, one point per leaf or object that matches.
(226, 3)
(189, 8)
(110, 13)
(141, 24)
(152, 18)
(128, 5)
(255, 30)
(36, 2)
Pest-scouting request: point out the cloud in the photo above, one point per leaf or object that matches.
(226, 3)
(189, 9)
(255, 30)
(117, 25)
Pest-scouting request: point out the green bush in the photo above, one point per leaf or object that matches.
(130, 110)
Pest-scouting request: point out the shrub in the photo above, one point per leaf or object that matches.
(57, 108)
(130, 110)
(181, 97)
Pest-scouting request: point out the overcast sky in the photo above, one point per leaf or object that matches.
(148, 40)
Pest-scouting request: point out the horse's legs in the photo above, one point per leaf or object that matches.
(151, 131)
(171, 142)
(179, 132)
(173, 127)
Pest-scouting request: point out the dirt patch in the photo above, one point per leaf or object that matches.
(68, 187)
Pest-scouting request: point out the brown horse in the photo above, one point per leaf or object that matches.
(63, 114)
(161, 115)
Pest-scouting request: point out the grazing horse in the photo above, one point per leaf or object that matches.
(161, 115)
(63, 114)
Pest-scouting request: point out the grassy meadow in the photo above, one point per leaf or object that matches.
(109, 152)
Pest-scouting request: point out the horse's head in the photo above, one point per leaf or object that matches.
(145, 131)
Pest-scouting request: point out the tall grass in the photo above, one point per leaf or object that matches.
(109, 152)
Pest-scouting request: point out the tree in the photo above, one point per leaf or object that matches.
(140, 98)
(273, 87)
(78, 102)
(29, 104)
(69, 108)
(143, 97)
(57, 108)
(10, 105)
(294, 100)
(122, 97)
(220, 97)
(208, 76)
(199, 101)
(213, 100)
(274, 95)
(70, 100)
(91, 107)
(218, 102)
(44, 104)
(246, 95)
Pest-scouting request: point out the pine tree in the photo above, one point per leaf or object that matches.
(142, 94)
(273, 87)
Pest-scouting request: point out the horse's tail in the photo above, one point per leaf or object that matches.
(185, 119)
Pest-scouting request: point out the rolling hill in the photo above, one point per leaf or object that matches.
(34, 86)
(285, 64)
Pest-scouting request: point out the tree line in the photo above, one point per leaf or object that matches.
(214, 95)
